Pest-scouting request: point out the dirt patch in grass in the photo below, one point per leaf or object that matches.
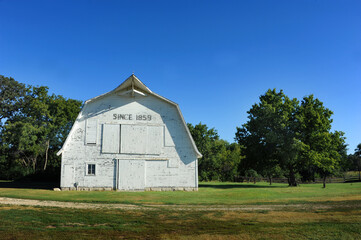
(348, 202)
(209, 237)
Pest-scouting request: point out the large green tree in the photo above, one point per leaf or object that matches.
(35, 130)
(323, 149)
(281, 132)
(269, 135)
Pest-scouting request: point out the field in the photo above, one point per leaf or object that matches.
(216, 211)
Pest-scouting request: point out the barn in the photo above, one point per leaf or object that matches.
(129, 139)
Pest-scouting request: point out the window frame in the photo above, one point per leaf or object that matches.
(88, 168)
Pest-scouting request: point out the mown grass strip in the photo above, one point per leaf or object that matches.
(208, 194)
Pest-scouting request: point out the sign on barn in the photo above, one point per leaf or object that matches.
(129, 139)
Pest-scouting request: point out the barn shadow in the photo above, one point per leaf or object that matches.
(29, 184)
(239, 185)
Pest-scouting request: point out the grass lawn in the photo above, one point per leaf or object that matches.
(340, 219)
(19, 222)
(208, 194)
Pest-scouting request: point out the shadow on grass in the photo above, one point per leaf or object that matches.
(352, 181)
(229, 186)
(29, 184)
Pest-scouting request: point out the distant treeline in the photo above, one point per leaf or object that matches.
(283, 137)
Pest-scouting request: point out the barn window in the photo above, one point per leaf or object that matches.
(91, 169)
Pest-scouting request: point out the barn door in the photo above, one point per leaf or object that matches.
(131, 175)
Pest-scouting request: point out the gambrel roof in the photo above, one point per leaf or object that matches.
(133, 86)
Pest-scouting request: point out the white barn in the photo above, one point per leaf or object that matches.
(129, 139)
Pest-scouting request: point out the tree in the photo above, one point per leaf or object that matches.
(269, 135)
(205, 139)
(295, 137)
(11, 95)
(227, 158)
(63, 113)
(230, 164)
(11, 98)
(326, 158)
(322, 150)
(220, 159)
(357, 159)
(32, 125)
(35, 130)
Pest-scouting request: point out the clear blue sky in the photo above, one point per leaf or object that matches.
(214, 58)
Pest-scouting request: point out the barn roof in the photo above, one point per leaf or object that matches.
(132, 85)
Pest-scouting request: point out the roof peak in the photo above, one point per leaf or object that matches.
(132, 82)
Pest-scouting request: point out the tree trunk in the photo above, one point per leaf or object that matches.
(46, 154)
(292, 179)
(324, 181)
(270, 180)
(34, 163)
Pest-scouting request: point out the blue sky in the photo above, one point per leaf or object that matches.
(214, 58)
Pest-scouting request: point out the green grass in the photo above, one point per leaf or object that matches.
(18, 222)
(208, 194)
(340, 219)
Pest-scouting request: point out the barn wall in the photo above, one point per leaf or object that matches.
(168, 163)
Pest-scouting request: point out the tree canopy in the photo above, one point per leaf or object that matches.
(34, 126)
(296, 137)
(220, 159)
